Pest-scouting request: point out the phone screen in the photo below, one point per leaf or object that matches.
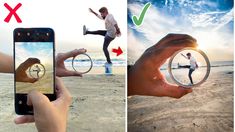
(36, 58)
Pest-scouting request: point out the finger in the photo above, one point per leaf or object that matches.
(24, 119)
(66, 73)
(169, 38)
(31, 80)
(73, 53)
(37, 100)
(160, 55)
(176, 91)
(63, 95)
(174, 37)
(28, 63)
(72, 73)
(27, 79)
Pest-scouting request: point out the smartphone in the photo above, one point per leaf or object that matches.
(34, 64)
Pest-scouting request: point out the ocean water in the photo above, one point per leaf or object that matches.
(182, 74)
(96, 62)
(82, 64)
(213, 64)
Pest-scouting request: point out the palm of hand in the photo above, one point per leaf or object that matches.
(145, 77)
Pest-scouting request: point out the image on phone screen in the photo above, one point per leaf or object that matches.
(34, 67)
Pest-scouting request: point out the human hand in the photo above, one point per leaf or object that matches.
(48, 116)
(145, 77)
(118, 32)
(61, 70)
(20, 73)
(197, 66)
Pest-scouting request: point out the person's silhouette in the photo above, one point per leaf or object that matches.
(193, 65)
(38, 70)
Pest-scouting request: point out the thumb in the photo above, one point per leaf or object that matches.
(31, 80)
(177, 91)
(37, 100)
(75, 73)
(72, 73)
(63, 95)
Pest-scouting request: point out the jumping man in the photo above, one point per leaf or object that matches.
(193, 65)
(111, 26)
(38, 70)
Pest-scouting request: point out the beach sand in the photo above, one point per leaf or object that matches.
(209, 108)
(44, 85)
(98, 104)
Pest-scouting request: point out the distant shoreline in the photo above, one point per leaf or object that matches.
(201, 66)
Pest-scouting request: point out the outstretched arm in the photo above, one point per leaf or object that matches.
(93, 12)
(6, 63)
(96, 14)
(184, 56)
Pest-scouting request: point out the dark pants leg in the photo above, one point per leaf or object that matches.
(98, 32)
(107, 41)
(190, 75)
(37, 74)
(186, 66)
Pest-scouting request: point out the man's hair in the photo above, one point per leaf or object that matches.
(188, 54)
(103, 9)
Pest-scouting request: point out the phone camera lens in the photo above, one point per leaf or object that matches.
(18, 34)
(47, 34)
(28, 34)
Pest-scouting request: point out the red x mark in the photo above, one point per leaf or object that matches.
(12, 12)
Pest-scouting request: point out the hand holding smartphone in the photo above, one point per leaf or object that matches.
(34, 59)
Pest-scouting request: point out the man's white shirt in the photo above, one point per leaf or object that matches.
(109, 25)
(193, 62)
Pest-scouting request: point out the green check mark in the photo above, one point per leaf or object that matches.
(139, 21)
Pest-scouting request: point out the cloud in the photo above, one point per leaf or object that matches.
(155, 24)
(213, 20)
(228, 17)
(42, 51)
(135, 48)
(208, 27)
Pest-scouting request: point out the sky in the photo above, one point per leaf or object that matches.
(67, 18)
(41, 50)
(209, 21)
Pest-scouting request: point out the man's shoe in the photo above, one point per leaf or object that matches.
(84, 30)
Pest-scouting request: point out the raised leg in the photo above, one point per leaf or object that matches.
(98, 32)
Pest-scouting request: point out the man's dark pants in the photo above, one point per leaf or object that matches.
(106, 43)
